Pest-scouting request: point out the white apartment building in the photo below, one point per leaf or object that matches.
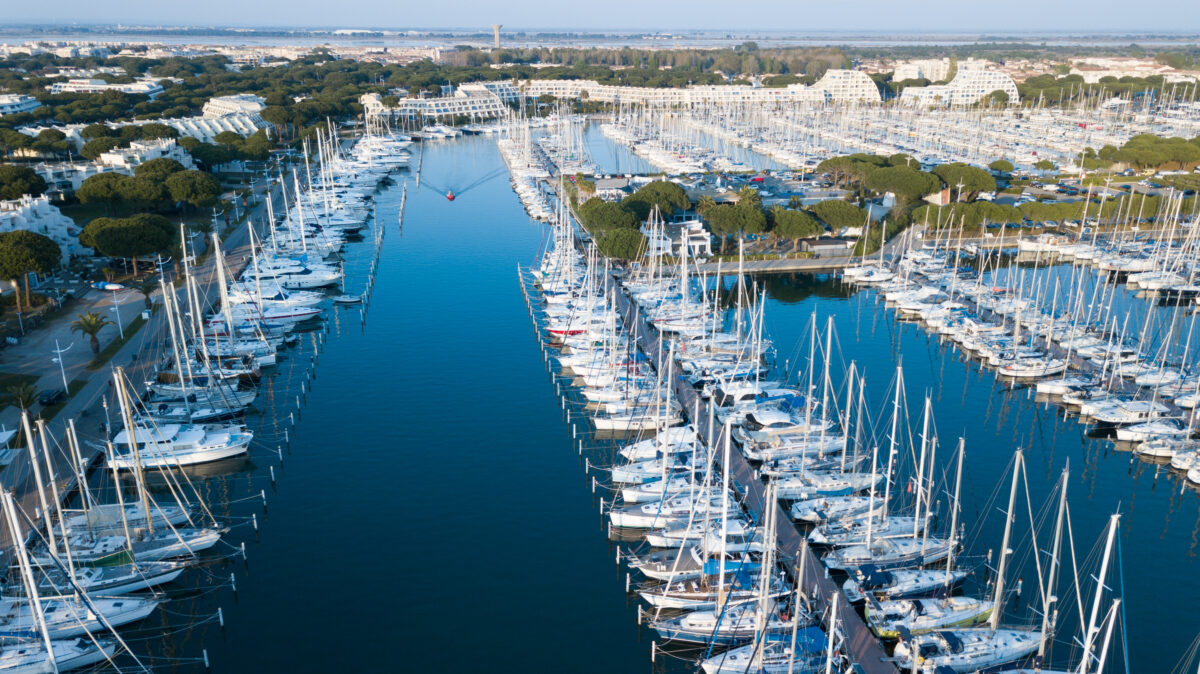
(85, 73)
(219, 106)
(848, 86)
(85, 86)
(933, 70)
(469, 100)
(837, 86)
(68, 176)
(969, 86)
(36, 214)
(11, 104)
(207, 128)
(141, 151)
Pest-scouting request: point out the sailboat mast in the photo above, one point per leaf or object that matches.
(962, 446)
(998, 602)
(1089, 638)
(1049, 615)
(921, 467)
(37, 477)
(35, 602)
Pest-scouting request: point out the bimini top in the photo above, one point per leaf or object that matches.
(158, 434)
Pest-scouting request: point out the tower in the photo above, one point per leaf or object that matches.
(495, 36)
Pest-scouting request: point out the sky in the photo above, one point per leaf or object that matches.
(801, 16)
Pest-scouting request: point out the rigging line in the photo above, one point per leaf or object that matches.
(1124, 634)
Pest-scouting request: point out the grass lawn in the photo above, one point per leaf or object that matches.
(115, 345)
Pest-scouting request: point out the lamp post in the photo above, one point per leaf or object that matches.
(20, 321)
(59, 351)
(116, 308)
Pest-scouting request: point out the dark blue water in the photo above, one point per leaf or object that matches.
(431, 515)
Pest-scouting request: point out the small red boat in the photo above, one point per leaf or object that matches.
(450, 196)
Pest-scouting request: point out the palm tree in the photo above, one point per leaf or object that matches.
(91, 324)
(706, 202)
(23, 395)
(146, 288)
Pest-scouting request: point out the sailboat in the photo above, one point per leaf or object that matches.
(142, 444)
(974, 649)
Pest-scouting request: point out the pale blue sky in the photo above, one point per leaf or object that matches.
(787, 15)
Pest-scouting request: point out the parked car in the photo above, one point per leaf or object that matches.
(52, 397)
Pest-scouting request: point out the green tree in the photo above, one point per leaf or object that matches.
(94, 148)
(194, 187)
(997, 99)
(147, 287)
(18, 180)
(90, 325)
(211, 156)
(227, 138)
(23, 252)
(749, 197)
(157, 169)
(102, 188)
(51, 141)
(794, 225)
(94, 131)
(1002, 166)
(1044, 165)
(964, 180)
(22, 395)
(156, 130)
(906, 184)
(838, 214)
(13, 140)
(622, 243)
(131, 238)
(142, 192)
(668, 196)
(599, 216)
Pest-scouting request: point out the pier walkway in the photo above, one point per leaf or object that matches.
(860, 645)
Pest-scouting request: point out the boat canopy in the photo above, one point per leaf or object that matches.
(157, 434)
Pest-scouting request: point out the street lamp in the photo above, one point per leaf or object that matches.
(59, 359)
(20, 321)
(116, 308)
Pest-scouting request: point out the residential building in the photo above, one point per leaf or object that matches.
(201, 128)
(671, 238)
(219, 106)
(67, 176)
(848, 86)
(36, 214)
(207, 128)
(970, 85)
(837, 86)
(469, 100)
(933, 70)
(126, 159)
(149, 88)
(11, 104)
